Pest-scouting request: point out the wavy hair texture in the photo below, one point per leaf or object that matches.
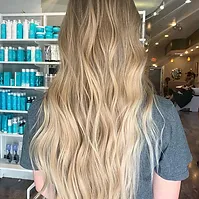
(97, 114)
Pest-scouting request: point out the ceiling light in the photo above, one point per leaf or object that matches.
(181, 55)
(155, 14)
(197, 47)
(188, 59)
(156, 43)
(149, 26)
(191, 50)
(166, 36)
(162, 6)
(147, 50)
(155, 65)
(188, 1)
(186, 52)
(174, 23)
(172, 60)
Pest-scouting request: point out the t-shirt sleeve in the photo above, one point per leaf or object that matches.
(30, 130)
(176, 156)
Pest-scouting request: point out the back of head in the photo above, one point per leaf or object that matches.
(98, 110)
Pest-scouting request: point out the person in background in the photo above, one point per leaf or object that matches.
(167, 91)
(190, 80)
(100, 132)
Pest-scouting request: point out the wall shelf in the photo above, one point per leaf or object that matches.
(13, 111)
(12, 170)
(11, 135)
(28, 41)
(24, 88)
(30, 63)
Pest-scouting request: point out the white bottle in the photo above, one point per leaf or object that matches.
(9, 29)
(26, 29)
(33, 53)
(6, 54)
(14, 29)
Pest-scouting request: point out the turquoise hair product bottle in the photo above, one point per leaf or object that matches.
(3, 99)
(7, 77)
(10, 54)
(15, 125)
(23, 77)
(1, 79)
(9, 101)
(32, 77)
(3, 30)
(27, 77)
(23, 101)
(19, 30)
(18, 78)
(38, 54)
(18, 101)
(20, 54)
(14, 101)
(9, 126)
(32, 29)
(14, 54)
(29, 102)
(28, 54)
(2, 54)
(5, 123)
(49, 35)
(55, 36)
(12, 82)
(22, 127)
(21, 131)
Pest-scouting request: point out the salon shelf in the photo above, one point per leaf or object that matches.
(24, 87)
(29, 41)
(11, 135)
(12, 170)
(30, 63)
(4, 164)
(13, 111)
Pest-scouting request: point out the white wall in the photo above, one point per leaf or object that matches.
(54, 5)
(19, 6)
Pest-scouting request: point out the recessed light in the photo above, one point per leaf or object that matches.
(197, 47)
(156, 43)
(181, 55)
(147, 50)
(188, 1)
(162, 6)
(191, 50)
(186, 52)
(155, 14)
(166, 36)
(173, 23)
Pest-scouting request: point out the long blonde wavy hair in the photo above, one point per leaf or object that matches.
(97, 114)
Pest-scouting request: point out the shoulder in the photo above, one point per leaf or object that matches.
(164, 108)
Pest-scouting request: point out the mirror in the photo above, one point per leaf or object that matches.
(176, 74)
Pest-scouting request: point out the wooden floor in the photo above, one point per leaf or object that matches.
(16, 189)
(190, 187)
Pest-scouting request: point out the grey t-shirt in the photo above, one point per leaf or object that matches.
(173, 161)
